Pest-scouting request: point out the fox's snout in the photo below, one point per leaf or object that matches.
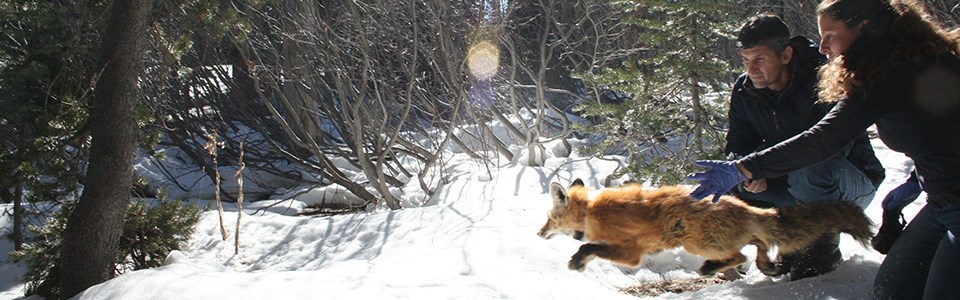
(547, 231)
(545, 235)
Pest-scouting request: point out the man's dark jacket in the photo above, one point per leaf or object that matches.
(761, 118)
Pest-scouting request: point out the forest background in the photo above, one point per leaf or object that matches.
(265, 85)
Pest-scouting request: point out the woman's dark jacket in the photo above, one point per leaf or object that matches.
(761, 118)
(916, 107)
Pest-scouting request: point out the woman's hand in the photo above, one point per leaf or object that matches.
(720, 178)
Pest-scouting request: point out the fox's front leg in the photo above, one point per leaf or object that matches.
(618, 254)
(585, 254)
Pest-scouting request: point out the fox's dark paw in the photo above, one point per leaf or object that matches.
(576, 264)
(711, 267)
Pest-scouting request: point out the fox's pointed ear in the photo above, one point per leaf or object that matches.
(558, 194)
(577, 182)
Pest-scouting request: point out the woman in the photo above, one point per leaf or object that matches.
(892, 66)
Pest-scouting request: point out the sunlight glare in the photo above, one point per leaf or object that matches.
(483, 60)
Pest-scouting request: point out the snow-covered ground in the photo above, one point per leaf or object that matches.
(475, 240)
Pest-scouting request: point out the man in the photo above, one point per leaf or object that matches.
(776, 99)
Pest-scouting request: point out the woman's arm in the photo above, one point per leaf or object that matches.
(847, 120)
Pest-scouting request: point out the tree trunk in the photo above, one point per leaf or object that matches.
(295, 61)
(241, 95)
(699, 122)
(90, 241)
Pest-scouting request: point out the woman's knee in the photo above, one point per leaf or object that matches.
(894, 282)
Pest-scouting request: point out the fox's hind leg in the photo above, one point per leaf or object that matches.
(713, 266)
(763, 260)
(617, 254)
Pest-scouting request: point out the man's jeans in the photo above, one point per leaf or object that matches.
(925, 260)
(833, 179)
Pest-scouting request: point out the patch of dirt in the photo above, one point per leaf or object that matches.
(330, 210)
(657, 288)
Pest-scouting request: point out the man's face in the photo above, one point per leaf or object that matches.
(835, 36)
(765, 67)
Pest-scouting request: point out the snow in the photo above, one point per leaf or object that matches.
(474, 239)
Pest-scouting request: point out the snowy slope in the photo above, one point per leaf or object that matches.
(478, 241)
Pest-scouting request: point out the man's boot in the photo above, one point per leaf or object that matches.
(821, 258)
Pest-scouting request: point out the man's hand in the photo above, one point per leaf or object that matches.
(722, 176)
(755, 185)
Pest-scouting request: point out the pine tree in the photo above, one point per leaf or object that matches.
(663, 117)
(93, 231)
(150, 233)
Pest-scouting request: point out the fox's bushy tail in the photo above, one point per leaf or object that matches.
(797, 227)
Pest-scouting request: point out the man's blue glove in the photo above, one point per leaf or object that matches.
(722, 176)
(902, 195)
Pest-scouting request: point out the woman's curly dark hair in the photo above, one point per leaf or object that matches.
(896, 30)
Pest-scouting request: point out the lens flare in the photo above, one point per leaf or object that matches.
(483, 60)
(937, 91)
(481, 94)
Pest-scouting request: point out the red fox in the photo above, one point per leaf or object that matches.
(623, 224)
